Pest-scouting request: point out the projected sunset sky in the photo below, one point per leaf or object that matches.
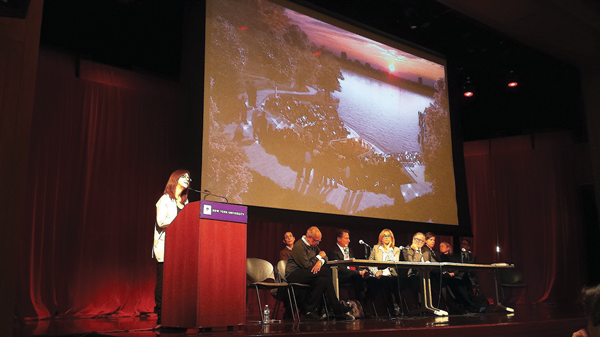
(378, 55)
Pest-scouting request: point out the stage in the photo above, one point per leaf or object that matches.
(536, 320)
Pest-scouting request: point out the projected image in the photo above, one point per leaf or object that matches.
(303, 115)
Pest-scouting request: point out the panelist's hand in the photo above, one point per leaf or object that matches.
(316, 267)
(379, 273)
(364, 273)
(322, 254)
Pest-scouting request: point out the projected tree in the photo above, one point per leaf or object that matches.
(225, 171)
(437, 149)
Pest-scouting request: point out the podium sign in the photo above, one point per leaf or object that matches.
(224, 212)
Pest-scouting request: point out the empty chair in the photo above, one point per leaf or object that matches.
(261, 275)
(512, 278)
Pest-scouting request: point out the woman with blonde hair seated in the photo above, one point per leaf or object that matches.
(385, 278)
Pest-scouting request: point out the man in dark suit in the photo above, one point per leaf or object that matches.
(348, 275)
(415, 252)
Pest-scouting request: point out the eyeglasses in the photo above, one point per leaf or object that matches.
(312, 237)
(387, 236)
(418, 240)
(186, 177)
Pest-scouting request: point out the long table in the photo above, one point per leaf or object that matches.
(424, 269)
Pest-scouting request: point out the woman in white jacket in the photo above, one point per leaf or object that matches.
(168, 206)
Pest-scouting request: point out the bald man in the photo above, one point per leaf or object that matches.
(307, 265)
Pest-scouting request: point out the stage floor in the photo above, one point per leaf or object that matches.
(536, 320)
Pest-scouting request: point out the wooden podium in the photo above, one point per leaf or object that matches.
(204, 281)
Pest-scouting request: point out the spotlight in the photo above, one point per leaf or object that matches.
(468, 88)
(512, 80)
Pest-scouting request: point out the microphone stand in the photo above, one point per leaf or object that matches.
(218, 196)
(205, 192)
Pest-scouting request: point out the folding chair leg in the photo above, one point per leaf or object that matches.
(277, 302)
(291, 304)
(296, 304)
(326, 309)
(374, 309)
(262, 319)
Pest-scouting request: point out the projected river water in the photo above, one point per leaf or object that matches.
(381, 113)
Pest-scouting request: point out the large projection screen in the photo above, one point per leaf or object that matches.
(306, 113)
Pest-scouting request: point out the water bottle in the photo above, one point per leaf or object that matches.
(266, 315)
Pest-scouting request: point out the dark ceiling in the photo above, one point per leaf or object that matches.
(147, 36)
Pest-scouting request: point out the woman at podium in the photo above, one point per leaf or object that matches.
(173, 200)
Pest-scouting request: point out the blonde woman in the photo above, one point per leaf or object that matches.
(385, 278)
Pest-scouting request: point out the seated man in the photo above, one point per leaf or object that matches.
(469, 277)
(415, 253)
(307, 265)
(348, 275)
(466, 256)
(460, 303)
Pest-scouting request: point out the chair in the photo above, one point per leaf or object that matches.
(281, 272)
(260, 274)
(512, 278)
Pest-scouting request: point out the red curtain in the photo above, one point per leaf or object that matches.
(101, 153)
(523, 196)
(104, 144)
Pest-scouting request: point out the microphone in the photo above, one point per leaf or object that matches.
(366, 250)
(207, 193)
(466, 251)
(201, 192)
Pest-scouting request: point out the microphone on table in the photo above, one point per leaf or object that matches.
(364, 243)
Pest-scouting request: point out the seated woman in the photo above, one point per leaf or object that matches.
(387, 278)
(288, 239)
(430, 244)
